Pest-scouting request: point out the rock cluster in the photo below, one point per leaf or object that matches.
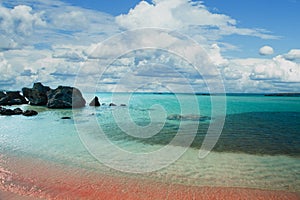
(61, 97)
(40, 95)
(12, 98)
(95, 102)
(17, 111)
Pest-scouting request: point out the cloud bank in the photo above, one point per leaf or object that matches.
(50, 41)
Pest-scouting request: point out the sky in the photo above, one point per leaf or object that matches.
(250, 46)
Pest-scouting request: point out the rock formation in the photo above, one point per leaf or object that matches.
(4, 111)
(65, 97)
(95, 102)
(61, 97)
(29, 113)
(37, 95)
(12, 98)
(17, 111)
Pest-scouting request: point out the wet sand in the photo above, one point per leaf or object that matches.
(37, 179)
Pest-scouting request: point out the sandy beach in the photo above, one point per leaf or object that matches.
(33, 179)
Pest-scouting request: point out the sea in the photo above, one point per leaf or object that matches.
(248, 140)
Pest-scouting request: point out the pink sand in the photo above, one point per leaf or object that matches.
(33, 179)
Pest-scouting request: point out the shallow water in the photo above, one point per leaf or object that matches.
(259, 146)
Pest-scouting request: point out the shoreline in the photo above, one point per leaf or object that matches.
(37, 179)
(206, 193)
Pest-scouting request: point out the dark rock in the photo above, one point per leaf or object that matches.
(123, 104)
(65, 97)
(18, 111)
(16, 96)
(174, 117)
(29, 113)
(112, 104)
(12, 98)
(2, 94)
(95, 102)
(66, 118)
(8, 112)
(37, 95)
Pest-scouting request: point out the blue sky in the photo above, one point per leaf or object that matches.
(113, 7)
(279, 17)
(253, 44)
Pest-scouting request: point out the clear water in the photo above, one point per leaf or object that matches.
(259, 146)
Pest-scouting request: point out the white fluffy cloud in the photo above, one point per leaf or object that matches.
(260, 75)
(278, 69)
(215, 55)
(19, 20)
(183, 15)
(266, 50)
(16, 24)
(293, 54)
(7, 72)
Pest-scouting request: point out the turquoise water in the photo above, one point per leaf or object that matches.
(259, 146)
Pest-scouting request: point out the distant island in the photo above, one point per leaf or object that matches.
(284, 94)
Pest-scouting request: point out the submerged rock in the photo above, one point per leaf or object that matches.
(188, 117)
(29, 113)
(122, 104)
(8, 112)
(66, 118)
(95, 102)
(65, 97)
(12, 98)
(17, 111)
(37, 95)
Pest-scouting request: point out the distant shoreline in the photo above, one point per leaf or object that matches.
(207, 94)
(280, 94)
